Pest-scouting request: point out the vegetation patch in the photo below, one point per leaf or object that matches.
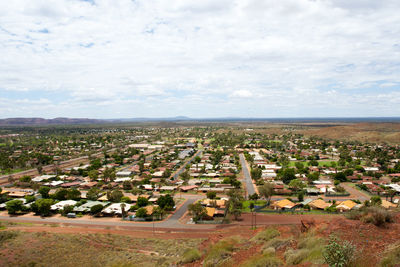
(220, 252)
(392, 256)
(374, 215)
(191, 255)
(309, 249)
(266, 235)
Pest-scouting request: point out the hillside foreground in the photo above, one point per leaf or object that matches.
(26, 244)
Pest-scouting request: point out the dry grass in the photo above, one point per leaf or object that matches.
(47, 249)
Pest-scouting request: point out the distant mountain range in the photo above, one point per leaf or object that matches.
(68, 121)
(41, 121)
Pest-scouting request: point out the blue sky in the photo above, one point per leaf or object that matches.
(227, 58)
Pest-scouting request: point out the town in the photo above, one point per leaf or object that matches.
(193, 178)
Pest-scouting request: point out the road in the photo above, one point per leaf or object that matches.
(170, 223)
(182, 169)
(247, 177)
(354, 193)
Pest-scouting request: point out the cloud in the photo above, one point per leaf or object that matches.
(242, 94)
(140, 58)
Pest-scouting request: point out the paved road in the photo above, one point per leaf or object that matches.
(354, 193)
(247, 177)
(171, 223)
(182, 169)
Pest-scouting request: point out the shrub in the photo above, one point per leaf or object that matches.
(294, 257)
(220, 252)
(375, 215)
(96, 209)
(309, 250)
(277, 243)
(391, 257)
(338, 253)
(266, 235)
(6, 235)
(191, 255)
(265, 260)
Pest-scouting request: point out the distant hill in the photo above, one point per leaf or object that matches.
(61, 121)
(41, 121)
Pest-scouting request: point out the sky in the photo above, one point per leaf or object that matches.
(201, 59)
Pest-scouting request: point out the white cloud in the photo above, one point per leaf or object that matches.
(242, 94)
(128, 55)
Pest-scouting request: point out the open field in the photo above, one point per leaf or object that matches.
(363, 132)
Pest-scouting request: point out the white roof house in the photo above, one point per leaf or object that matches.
(116, 208)
(60, 205)
(43, 177)
(118, 180)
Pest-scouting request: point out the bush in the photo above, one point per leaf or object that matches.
(338, 253)
(265, 260)
(391, 257)
(220, 252)
(309, 250)
(277, 243)
(375, 215)
(6, 235)
(96, 209)
(266, 235)
(190, 255)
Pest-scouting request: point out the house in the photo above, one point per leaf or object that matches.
(116, 208)
(210, 212)
(88, 205)
(188, 188)
(319, 204)
(43, 177)
(283, 204)
(346, 205)
(60, 205)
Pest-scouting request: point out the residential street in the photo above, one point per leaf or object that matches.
(171, 223)
(247, 177)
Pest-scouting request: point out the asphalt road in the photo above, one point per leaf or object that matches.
(247, 177)
(171, 223)
(182, 169)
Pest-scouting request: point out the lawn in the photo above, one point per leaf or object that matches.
(246, 204)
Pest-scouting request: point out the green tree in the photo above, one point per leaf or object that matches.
(296, 184)
(115, 196)
(93, 193)
(93, 174)
(14, 206)
(266, 190)
(142, 202)
(166, 202)
(235, 203)
(96, 209)
(42, 206)
(44, 191)
(288, 174)
(67, 209)
(211, 194)
(197, 211)
(141, 213)
(376, 201)
(74, 194)
(61, 194)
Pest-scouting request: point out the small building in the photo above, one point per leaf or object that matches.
(283, 204)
